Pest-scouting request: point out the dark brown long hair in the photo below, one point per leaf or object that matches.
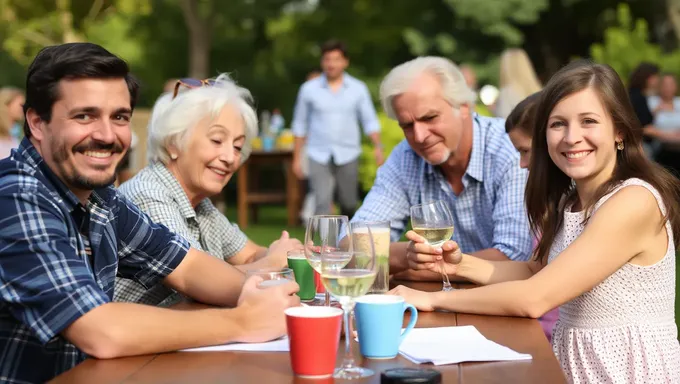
(549, 190)
(523, 115)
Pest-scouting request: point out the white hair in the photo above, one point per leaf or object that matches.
(172, 119)
(454, 89)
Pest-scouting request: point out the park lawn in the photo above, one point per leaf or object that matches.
(273, 221)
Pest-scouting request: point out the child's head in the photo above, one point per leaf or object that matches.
(520, 125)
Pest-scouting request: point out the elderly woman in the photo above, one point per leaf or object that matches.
(196, 142)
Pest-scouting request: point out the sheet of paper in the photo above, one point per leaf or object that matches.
(450, 345)
(278, 345)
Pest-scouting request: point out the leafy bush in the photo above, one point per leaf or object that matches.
(626, 44)
(390, 135)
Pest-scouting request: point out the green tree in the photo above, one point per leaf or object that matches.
(30, 26)
(627, 43)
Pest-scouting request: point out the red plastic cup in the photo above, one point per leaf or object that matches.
(314, 334)
(319, 285)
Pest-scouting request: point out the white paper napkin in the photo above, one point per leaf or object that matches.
(278, 345)
(450, 345)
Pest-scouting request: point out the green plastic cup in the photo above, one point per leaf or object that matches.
(304, 274)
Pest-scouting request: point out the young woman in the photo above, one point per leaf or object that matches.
(608, 219)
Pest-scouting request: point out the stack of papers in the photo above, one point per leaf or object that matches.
(451, 345)
(278, 345)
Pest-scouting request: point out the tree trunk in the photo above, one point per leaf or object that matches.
(673, 7)
(69, 34)
(199, 39)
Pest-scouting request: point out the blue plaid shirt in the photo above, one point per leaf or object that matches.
(59, 259)
(489, 213)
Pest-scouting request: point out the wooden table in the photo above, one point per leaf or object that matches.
(248, 195)
(522, 335)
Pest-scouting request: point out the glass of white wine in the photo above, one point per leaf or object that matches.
(346, 282)
(328, 235)
(434, 222)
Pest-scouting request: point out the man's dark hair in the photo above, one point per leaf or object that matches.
(334, 45)
(70, 61)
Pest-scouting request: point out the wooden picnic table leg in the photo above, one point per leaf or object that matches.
(242, 196)
(292, 193)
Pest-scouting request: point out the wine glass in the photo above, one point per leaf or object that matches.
(330, 235)
(434, 222)
(346, 281)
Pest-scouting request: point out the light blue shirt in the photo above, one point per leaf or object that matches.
(330, 120)
(489, 212)
(663, 120)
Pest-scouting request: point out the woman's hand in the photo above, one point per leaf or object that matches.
(423, 301)
(420, 255)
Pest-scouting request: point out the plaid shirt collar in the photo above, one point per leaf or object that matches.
(176, 191)
(475, 168)
(28, 152)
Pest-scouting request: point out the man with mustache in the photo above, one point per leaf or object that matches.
(67, 233)
(452, 154)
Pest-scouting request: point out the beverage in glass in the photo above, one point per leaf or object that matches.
(380, 233)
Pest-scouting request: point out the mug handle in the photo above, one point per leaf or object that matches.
(411, 323)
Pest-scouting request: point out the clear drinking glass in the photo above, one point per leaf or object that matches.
(346, 281)
(272, 276)
(329, 235)
(434, 222)
(380, 233)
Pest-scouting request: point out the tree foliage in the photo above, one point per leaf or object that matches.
(627, 43)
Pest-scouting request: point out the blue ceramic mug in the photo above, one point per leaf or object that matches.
(379, 319)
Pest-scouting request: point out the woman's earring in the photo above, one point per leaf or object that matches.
(173, 156)
(619, 145)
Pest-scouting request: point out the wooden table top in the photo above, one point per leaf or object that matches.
(520, 334)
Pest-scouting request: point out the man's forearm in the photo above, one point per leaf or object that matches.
(125, 329)
(297, 148)
(375, 139)
(207, 279)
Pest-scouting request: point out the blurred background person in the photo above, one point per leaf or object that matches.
(11, 116)
(196, 144)
(518, 80)
(470, 76)
(644, 82)
(665, 110)
(327, 114)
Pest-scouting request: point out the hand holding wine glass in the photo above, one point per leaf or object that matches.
(420, 255)
(434, 222)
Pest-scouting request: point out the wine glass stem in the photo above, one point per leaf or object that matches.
(348, 360)
(445, 277)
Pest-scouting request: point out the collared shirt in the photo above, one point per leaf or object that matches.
(488, 213)
(48, 279)
(329, 119)
(158, 193)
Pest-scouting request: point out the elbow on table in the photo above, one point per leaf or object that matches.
(103, 344)
(533, 307)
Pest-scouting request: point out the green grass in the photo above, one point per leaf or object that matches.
(271, 221)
